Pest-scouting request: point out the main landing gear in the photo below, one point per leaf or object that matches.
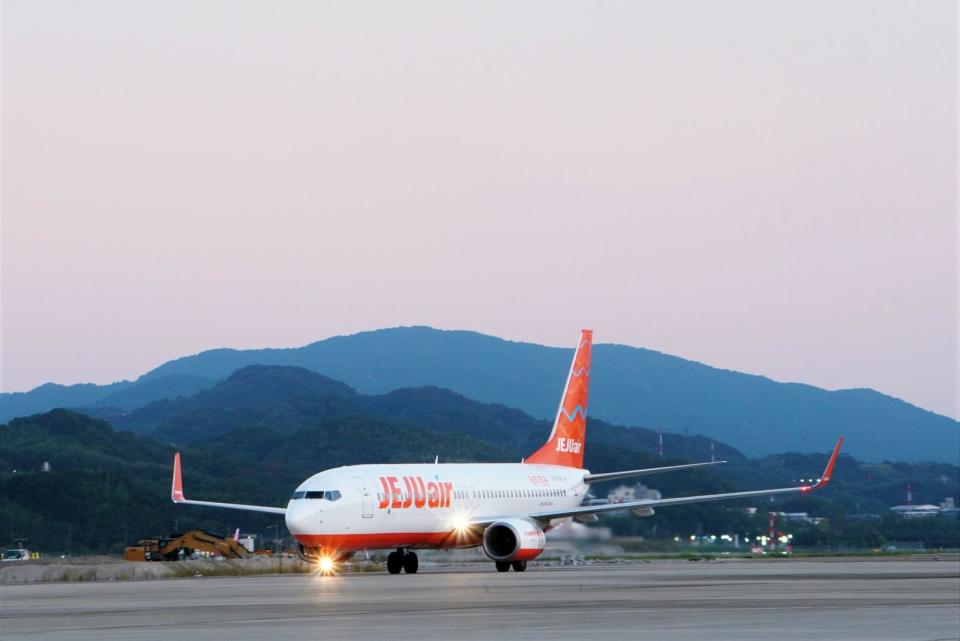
(402, 560)
(504, 566)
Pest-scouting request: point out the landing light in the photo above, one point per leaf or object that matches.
(326, 565)
(460, 526)
(460, 523)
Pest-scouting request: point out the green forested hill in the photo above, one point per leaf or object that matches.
(629, 386)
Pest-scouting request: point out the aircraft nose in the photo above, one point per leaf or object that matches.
(301, 519)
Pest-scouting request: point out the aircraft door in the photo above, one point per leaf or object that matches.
(365, 496)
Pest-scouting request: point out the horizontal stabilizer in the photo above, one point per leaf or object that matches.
(610, 476)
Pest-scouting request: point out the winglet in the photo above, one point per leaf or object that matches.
(176, 491)
(823, 480)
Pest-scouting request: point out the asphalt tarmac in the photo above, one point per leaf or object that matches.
(899, 599)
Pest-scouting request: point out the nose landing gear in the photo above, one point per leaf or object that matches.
(402, 560)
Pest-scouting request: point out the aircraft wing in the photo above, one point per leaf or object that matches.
(549, 515)
(653, 503)
(176, 494)
(609, 476)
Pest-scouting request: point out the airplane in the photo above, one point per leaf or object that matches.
(505, 508)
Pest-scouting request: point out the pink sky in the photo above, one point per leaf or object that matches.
(767, 187)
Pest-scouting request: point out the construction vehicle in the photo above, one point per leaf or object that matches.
(178, 546)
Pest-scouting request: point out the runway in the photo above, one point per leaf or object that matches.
(900, 599)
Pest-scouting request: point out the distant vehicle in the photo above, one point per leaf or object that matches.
(505, 508)
(16, 554)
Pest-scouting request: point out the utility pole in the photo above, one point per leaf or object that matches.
(773, 530)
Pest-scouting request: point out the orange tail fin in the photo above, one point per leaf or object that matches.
(565, 445)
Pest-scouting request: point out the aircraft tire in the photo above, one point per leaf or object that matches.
(394, 562)
(410, 563)
(519, 566)
(502, 566)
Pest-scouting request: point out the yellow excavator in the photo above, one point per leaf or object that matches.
(178, 546)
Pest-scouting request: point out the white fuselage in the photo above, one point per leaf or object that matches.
(422, 505)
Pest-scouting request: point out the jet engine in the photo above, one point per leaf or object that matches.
(513, 540)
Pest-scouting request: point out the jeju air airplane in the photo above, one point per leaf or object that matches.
(506, 508)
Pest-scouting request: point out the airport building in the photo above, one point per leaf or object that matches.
(909, 511)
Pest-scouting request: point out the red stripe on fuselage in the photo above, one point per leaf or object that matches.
(386, 540)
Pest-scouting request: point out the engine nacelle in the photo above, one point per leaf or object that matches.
(513, 540)
(641, 512)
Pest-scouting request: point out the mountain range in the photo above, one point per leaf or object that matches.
(629, 386)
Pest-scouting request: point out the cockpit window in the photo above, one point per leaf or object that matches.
(330, 495)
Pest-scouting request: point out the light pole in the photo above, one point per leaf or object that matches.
(276, 536)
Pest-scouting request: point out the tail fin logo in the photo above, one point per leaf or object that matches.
(569, 445)
(565, 445)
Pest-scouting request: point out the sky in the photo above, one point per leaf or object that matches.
(769, 187)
